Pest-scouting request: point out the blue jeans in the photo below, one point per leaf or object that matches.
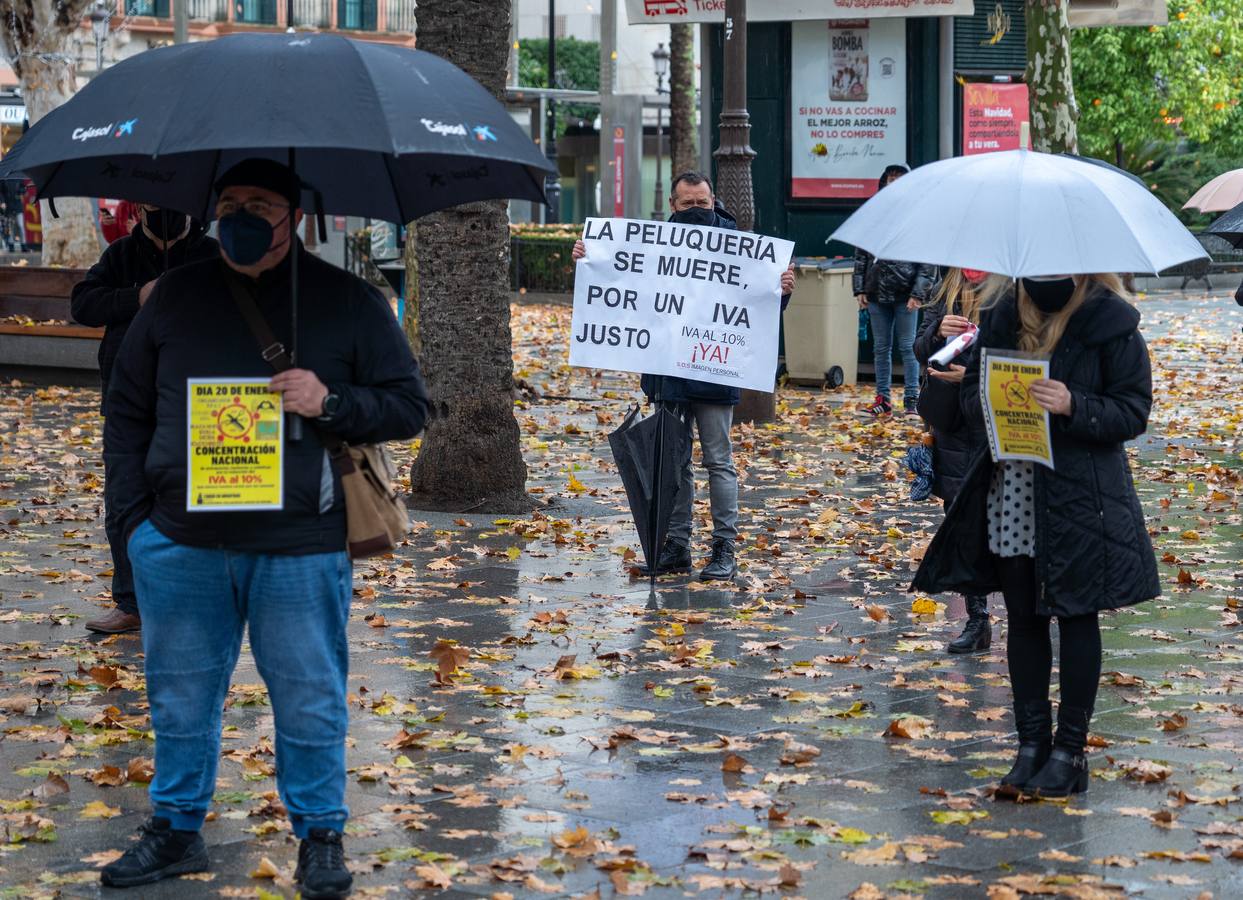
(195, 605)
(888, 319)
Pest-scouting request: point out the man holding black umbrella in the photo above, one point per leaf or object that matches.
(707, 407)
(110, 296)
(282, 574)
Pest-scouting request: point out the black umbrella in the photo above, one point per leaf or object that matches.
(373, 130)
(1229, 227)
(650, 454)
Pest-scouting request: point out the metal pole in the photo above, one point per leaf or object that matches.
(179, 21)
(553, 188)
(658, 200)
(733, 161)
(734, 154)
(945, 99)
(607, 168)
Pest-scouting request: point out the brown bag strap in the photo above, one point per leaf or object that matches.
(273, 351)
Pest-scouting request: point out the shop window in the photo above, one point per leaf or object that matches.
(356, 15)
(157, 8)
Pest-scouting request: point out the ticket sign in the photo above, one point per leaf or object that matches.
(1018, 426)
(234, 445)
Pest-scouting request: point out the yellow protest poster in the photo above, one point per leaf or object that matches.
(235, 442)
(1018, 426)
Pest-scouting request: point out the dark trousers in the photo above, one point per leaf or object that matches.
(1029, 649)
(122, 574)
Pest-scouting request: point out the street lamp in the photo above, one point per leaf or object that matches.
(660, 62)
(101, 18)
(552, 186)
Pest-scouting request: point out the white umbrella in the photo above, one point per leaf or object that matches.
(1021, 213)
(1222, 193)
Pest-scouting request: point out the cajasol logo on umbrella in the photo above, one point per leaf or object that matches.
(481, 133)
(91, 132)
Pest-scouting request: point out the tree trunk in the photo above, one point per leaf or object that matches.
(682, 99)
(1054, 111)
(37, 37)
(410, 320)
(471, 457)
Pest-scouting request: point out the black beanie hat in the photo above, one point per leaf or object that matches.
(263, 173)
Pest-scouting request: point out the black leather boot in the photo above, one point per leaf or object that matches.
(722, 566)
(978, 633)
(1034, 721)
(1066, 771)
(674, 557)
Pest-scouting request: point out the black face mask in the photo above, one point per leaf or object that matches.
(1050, 296)
(696, 215)
(164, 224)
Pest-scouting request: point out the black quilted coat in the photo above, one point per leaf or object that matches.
(1092, 547)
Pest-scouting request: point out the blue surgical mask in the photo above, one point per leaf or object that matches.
(245, 238)
(695, 215)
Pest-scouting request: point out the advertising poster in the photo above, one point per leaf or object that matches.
(849, 113)
(991, 117)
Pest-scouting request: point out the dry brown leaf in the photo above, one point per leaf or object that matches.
(449, 656)
(733, 763)
(909, 728)
(266, 869)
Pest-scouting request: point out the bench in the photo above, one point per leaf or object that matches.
(1224, 259)
(52, 340)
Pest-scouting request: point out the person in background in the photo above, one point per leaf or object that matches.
(1066, 542)
(955, 308)
(892, 293)
(118, 222)
(109, 297)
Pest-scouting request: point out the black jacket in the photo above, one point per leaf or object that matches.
(952, 450)
(670, 388)
(108, 296)
(892, 281)
(1092, 546)
(190, 327)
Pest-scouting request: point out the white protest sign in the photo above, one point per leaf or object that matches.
(683, 300)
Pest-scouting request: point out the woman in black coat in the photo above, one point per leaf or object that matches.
(1066, 542)
(955, 440)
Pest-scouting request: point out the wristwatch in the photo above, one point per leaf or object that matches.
(332, 402)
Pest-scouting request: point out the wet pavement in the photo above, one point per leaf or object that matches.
(800, 732)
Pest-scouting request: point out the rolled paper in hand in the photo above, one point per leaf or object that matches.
(950, 351)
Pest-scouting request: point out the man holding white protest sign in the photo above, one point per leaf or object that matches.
(695, 307)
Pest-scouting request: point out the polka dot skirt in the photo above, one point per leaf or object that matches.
(1012, 509)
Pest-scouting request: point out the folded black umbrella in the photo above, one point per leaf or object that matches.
(373, 130)
(1229, 227)
(650, 454)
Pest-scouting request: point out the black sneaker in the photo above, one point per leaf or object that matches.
(880, 407)
(161, 852)
(722, 566)
(321, 866)
(910, 405)
(674, 557)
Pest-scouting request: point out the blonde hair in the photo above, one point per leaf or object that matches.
(1040, 333)
(962, 298)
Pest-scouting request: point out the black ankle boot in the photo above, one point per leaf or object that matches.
(674, 557)
(159, 853)
(1034, 721)
(978, 633)
(1066, 771)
